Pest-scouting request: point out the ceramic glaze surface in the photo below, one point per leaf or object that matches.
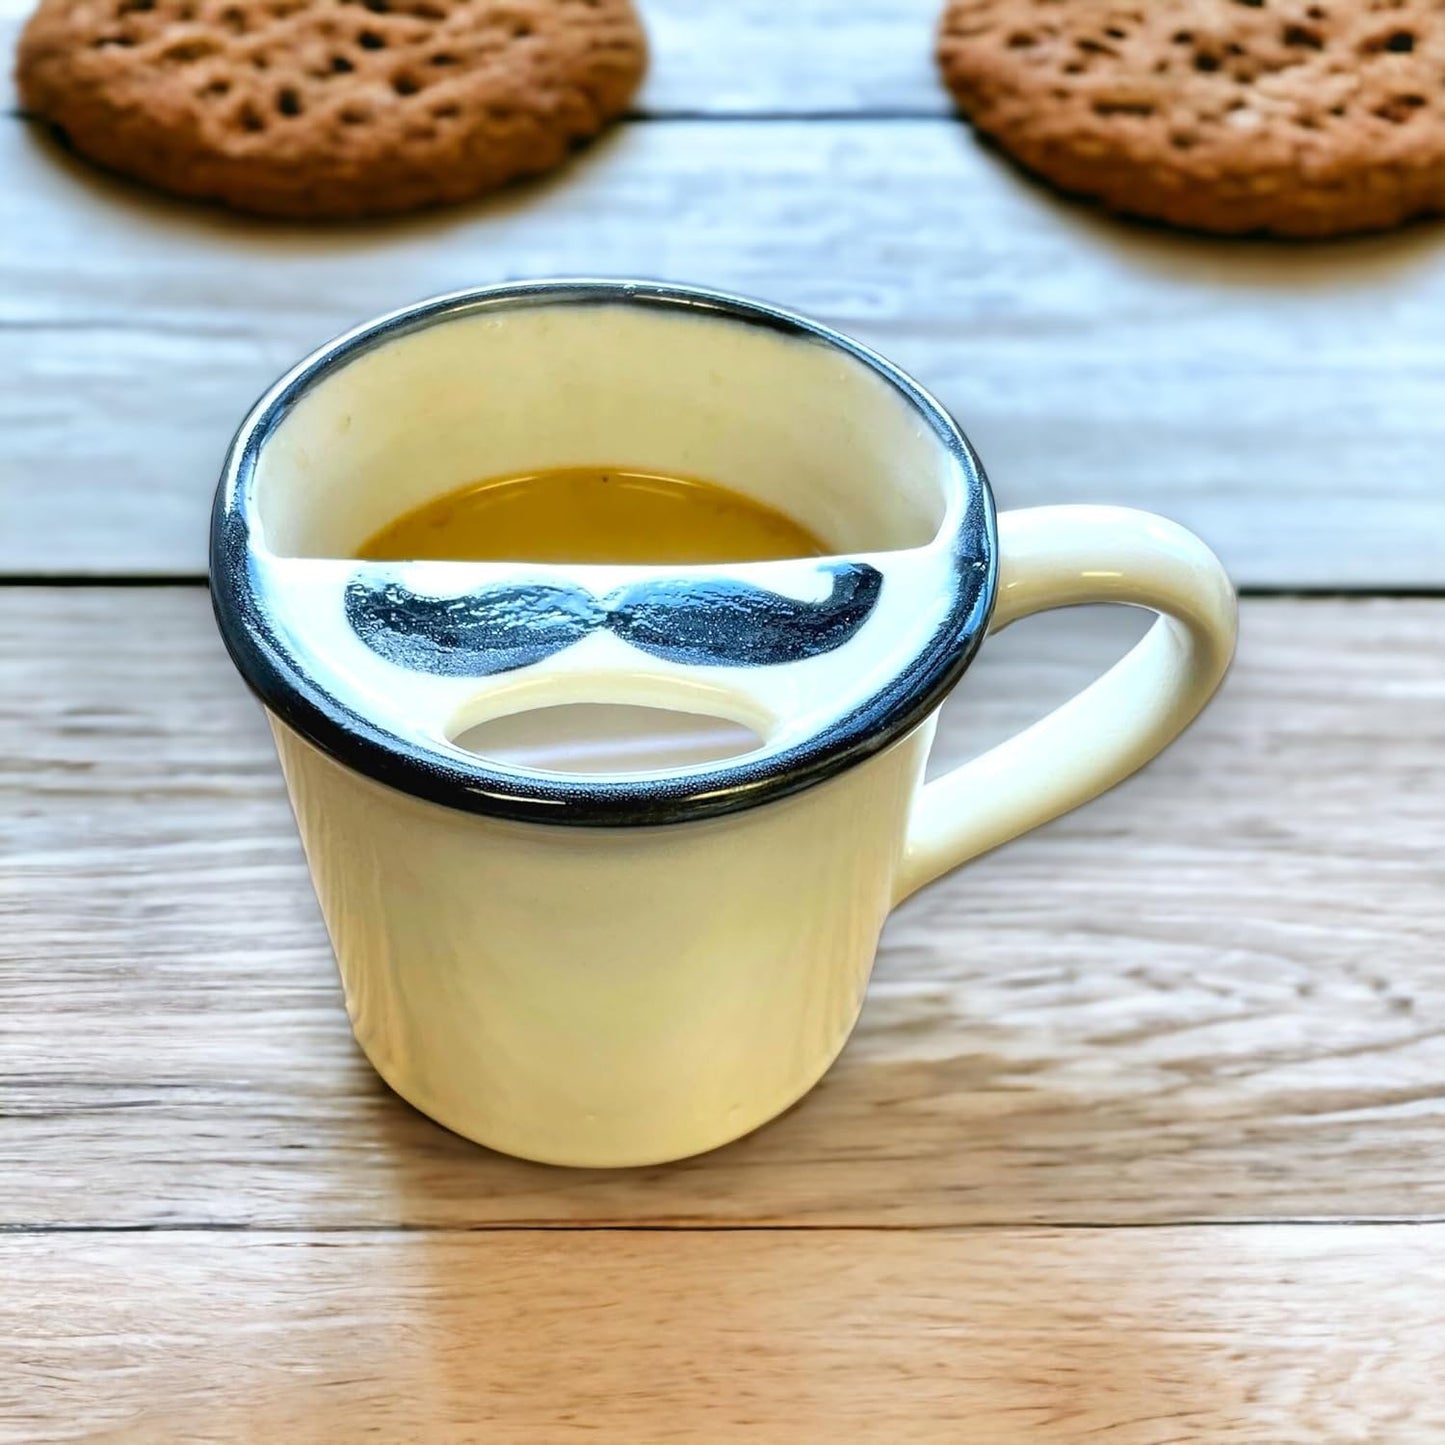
(603, 996)
(830, 661)
(623, 969)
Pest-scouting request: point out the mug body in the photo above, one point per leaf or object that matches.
(627, 969)
(603, 996)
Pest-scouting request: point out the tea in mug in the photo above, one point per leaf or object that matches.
(592, 515)
(598, 515)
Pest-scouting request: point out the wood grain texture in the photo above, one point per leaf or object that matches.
(1217, 993)
(1283, 401)
(753, 57)
(807, 57)
(1268, 1335)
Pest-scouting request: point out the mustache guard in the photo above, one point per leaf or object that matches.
(709, 622)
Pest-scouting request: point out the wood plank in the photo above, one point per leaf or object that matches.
(753, 57)
(1217, 993)
(1281, 400)
(808, 57)
(1274, 1334)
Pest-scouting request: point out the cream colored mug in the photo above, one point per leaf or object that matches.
(633, 967)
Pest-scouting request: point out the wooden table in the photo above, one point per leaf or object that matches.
(1142, 1136)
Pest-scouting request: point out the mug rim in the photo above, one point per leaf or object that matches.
(304, 705)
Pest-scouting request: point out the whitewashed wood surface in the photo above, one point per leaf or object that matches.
(1285, 401)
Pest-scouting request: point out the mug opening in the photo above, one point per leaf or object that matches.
(785, 418)
(614, 739)
(428, 399)
(613, 724)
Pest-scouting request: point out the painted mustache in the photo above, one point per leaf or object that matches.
(713, 623)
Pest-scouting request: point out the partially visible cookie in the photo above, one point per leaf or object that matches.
(329, 108)
(1282, 116)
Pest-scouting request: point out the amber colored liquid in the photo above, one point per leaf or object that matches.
(592, 514)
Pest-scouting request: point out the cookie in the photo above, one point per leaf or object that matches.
(329, 108)
(1279, 116)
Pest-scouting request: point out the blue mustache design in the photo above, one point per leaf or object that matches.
(715, 622)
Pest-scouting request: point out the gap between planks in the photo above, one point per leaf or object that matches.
(192, 579)
(973, 1226)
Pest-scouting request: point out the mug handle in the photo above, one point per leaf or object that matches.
(1066, 557)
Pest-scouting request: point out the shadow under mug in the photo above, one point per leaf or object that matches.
(632, 968)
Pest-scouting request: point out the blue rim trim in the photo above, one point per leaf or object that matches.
(329, 724)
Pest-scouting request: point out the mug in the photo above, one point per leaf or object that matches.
(628, 968)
